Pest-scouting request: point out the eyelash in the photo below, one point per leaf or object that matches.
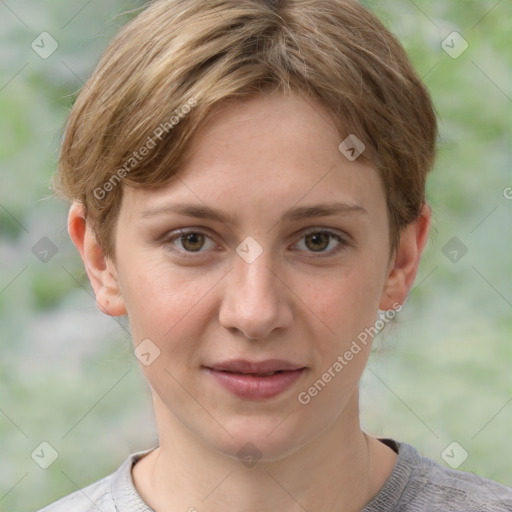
(177, 235)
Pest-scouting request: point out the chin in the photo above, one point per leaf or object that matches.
(260, 438)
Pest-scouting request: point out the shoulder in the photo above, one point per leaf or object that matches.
(94, 497)
(418, 483)
(462, 491)
(106, 494)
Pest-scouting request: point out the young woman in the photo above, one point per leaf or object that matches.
(247, 182)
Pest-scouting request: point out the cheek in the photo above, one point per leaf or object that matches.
(173, 311)
(346, 302)
(162, 301)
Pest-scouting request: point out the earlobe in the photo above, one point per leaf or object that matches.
(405, 263)
(100, 269)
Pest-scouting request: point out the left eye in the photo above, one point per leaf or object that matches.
(320, 241)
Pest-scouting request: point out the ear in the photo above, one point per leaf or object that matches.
(406, 260)
(100, 269)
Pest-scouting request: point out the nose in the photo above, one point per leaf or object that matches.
(256, 302)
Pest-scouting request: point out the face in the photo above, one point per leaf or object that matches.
(269, 252)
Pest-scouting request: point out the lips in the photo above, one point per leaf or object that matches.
(256, 380)
(245, 367)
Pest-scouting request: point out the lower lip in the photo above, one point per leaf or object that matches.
(254, 386)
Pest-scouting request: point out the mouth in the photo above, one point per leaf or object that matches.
(256, 380)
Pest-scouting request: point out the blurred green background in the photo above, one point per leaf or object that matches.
(442, 373)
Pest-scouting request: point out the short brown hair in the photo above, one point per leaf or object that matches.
(170, 66)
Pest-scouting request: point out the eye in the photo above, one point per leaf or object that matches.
(321, 241)
(190, 241)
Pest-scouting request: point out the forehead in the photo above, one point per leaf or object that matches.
(258, 155)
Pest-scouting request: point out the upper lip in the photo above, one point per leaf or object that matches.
(243, 366)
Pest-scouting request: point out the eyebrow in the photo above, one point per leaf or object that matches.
(293, 214)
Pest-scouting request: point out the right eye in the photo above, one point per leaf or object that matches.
(189, 242)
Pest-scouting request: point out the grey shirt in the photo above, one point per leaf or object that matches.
(416, 484)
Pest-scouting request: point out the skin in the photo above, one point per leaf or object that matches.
(298, 301)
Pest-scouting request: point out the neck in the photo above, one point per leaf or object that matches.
(342, 469)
